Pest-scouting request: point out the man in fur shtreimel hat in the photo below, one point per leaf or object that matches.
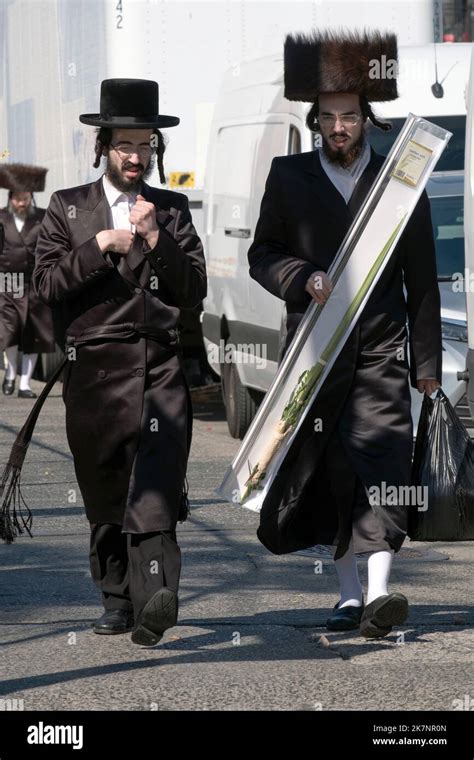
(26, 324)
(365, 433)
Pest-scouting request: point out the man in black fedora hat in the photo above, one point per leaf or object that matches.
(26, 323)
(117, 259)
(364, 435)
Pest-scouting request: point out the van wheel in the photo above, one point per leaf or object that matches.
(240, 404)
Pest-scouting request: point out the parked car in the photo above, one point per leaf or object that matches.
(446, 194)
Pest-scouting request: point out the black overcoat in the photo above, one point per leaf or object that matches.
(26, 321)
(128, 408)
(364, 405)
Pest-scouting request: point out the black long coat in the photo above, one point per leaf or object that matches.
(364, 405)
(128, 408)
(26, 321)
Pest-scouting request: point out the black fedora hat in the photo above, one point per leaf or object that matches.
(129, 104)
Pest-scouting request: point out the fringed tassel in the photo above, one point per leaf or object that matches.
(185, 507)
(12, 520)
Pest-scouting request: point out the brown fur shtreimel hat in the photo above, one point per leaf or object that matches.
(21, 178)
(361, 63)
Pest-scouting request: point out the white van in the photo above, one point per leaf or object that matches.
(252, 123)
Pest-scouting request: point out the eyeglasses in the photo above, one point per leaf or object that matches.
(347, 119)
(128, 150)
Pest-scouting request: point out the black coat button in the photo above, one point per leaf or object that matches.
(139, 373)
(138, 290)
(101, 373)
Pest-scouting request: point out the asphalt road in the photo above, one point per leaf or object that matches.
(251, 632)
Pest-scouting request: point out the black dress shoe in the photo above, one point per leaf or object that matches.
(158, 614)
(113, 622)
(26, 394)
(345, 618)
(8, 386)
(384, 612)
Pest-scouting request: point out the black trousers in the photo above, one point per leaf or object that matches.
(128, 568)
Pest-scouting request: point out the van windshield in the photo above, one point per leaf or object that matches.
(447, 214)
(453, 155)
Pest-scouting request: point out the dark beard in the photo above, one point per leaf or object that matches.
(346, 159)
(116, 178)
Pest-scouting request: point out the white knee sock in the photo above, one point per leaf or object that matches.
(379, 567)
(27, 369)
(12, 356)
(351, 589)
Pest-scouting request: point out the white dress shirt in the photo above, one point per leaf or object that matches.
(120, 204)
(19, 222)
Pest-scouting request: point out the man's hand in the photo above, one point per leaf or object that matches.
(119, 241)
(143, 216)
(319, 286)
(429, 385)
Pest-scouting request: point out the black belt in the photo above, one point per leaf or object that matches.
(124, 331)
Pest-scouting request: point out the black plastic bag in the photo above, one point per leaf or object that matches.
(444, 463)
